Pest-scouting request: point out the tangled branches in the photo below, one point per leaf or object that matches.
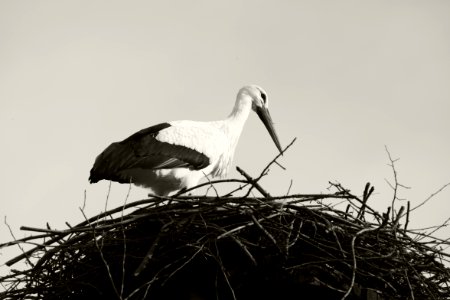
(234, 247)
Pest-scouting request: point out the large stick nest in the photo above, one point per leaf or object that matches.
(236, 247)
(227, 247)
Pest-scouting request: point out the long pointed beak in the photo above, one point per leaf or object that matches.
(264, 115)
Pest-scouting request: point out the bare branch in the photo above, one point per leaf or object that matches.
(252, 181)
(430, 197)
(18, 244)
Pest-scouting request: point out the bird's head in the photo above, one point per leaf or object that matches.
(260, 105)
(256, 95)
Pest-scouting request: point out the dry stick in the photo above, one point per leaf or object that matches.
(278, 164)
(253, 182)
(222, 268)
(239, 228)
(18, 244)
(200, 249)
(291, 242)
(396, 185)
(24, 240)
(347, 209)
(263, 229)
(103, 259)
(289, 188)
(122, 286)
(107, 195)
(151, 251)
(446, 222)
(423, 284)
(431, 196)
(264, 171)
(365, 198)
(207, 183)
(409, 284)
(408, 208)
(155, 278)
(84, 200)
(245, 249)
(363, 206)
(99, 225)
(352, 283)
(237, 189)
(399, 215)
(50, 231)
(146, 292)
(236, 229)
(296, 198)
(344, 193)
(299, 197)
(63, 233)
(211, 185)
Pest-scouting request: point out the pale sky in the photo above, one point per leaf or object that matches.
(344, 77)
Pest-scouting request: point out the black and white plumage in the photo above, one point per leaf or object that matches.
(171, 156)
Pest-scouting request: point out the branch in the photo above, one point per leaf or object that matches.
(253, 182)
(352, 283)
(264, 171)
(430, 197)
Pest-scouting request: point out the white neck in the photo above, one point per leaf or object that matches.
(241, 109)
(234, 123)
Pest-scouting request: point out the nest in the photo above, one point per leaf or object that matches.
(229, 247)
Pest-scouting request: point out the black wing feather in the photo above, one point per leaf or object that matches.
(143, 150)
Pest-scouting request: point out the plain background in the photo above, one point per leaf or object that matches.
(347, 78)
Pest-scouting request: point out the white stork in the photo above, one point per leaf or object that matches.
(175, 155)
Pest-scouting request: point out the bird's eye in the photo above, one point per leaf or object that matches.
(264, 97)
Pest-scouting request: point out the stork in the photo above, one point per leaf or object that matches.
(176, 155)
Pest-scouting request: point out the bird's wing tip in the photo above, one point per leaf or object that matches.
(93, 178)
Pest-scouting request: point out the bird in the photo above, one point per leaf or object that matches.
(174, 156)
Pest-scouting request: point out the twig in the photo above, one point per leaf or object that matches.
(103, 258)
(207, 183)
(366, 195)
(124, 255)
(274, 241)
(352, 283)
(84, 200)
(430, 197)
(396, 185)
(446, 222)
(409, 285)
(289, 188)
(399, 215)
(151, 251)
(18, 244)
(253, 182)
(278, 164)
(200, 249)
(245, 249)
(408, 209)
(211, 185)
(107, 195)
(222, 268)
(264, 171)
(239, 228)
(66, 232)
